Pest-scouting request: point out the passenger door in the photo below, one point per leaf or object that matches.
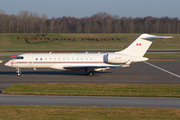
(30, 61)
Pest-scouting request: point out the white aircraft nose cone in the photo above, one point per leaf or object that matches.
(7, 64)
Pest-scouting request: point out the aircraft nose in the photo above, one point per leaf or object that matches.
(7, 64)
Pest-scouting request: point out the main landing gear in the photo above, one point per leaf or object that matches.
(90, 72)
(18, 72)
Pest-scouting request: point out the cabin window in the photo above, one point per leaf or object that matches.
(81, 58)
(36, 58)
(45, 58)
(59, 59)
(40, 58)
(77, 58)
(49, 58)
(72, 58)
(90, 58)
(63, 58)
(54, 58)
(67, 58)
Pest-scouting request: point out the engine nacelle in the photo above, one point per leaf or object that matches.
(117, 58)
(120, 58)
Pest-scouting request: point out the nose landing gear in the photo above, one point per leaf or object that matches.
(18, 72)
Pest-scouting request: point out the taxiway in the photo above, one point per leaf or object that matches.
(138, 73)
(89, 101)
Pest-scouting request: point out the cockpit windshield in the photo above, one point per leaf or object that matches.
(19, 57)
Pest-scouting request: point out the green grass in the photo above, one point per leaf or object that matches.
(8, 56)
(10, 42)
(82, 89)
(86, 113)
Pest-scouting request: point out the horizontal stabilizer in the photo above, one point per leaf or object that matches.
(156, 37)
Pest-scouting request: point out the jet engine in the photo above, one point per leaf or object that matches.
(117, 58)
(121, 58)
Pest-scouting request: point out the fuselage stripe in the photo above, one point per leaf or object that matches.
(59, 63)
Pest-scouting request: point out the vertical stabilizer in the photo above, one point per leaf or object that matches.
(140, 45)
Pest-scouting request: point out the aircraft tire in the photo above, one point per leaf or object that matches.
(91, 73)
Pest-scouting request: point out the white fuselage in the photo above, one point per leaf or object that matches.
(60, 60)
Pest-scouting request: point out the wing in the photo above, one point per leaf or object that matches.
(88, 67)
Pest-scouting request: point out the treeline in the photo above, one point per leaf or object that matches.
(26, 22)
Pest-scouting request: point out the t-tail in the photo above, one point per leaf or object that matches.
(140, 45)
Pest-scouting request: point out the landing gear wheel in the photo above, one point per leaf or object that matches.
(91, 73)
(18, 72)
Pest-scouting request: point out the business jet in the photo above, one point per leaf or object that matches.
(88, 62)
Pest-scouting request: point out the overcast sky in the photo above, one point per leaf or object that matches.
(82, 8)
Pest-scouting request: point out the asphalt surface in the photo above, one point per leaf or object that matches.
(89, 101)
(138, 73)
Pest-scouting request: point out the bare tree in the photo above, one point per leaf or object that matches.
(2, 21)
(25, 22)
